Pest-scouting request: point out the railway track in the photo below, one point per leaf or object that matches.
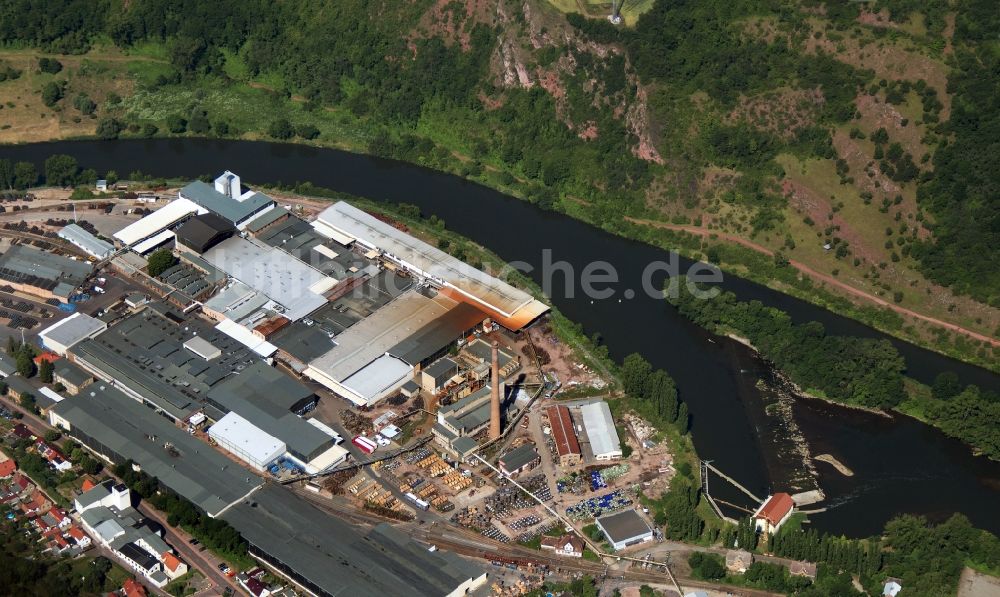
(471, 544)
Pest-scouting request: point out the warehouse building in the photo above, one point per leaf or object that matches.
(201, 233)
(70, 376)
(228, 199)
(458, 422)
(327, 556)
(296, 287)
(374, 357)
(118, 428)
(519, 460)
(601, 432)
(564, 436)
(86, 242)
(434, 377)
(153, 229)
(271, 401)
(624, 529)
(41, 273)
(246, 441)
(509, 306)
(153, 357)
(67, 333)
(236, 301)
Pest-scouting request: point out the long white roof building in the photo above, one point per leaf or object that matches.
(513, 307)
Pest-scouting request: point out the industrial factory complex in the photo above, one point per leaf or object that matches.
(306, 390)
(210, 388)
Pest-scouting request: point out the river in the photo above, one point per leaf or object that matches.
(900, 465)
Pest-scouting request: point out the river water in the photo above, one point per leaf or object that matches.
(899, 464)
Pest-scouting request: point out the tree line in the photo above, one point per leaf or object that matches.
(928, 558)
(215, 533)
(858, 371)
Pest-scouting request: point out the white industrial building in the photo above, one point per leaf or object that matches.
(601, 432)
(156, 223)
(62, 335)
(511, 307)
(86, 241)
(246, 441)
(296, 287)
(374, 357)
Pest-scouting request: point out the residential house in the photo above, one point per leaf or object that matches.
(891, 588)
(133, 588)
(82, 539)
(173, 567)
(568, 545)
(7, 466)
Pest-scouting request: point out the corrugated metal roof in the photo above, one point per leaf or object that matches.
(180, 461)
(600, 428)
(248, 440)
(234, 210)
(86, 241)
(434, 262)
(166, 216)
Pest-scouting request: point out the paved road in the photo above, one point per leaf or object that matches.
(204, 561)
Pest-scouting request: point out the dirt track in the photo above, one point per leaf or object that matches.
(805, 269)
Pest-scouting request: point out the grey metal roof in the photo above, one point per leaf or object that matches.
(464, 445)
(7, 365)
(92, 496)
(200, 232)
(266, 218)
(144, 353)
(482, 350)
(20, 385)
(26, 264)
(73, 329)
(231, 209)
(333, 558)
(304, 342)
(121, 428)
(519, 457)
(441, 367)
(66, 370)
(265, 396)
(623, 526)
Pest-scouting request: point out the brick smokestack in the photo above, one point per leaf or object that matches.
(495, 393)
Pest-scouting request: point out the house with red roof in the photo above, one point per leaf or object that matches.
(133, 588)
(46, 356)
(773, 513)
(82, 539)
(7, 466)
(87, 485)
(173, 567)
(62, 519)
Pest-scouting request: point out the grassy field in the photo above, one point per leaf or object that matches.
(24, 118)
(630, 10)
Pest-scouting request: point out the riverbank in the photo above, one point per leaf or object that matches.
(738, 258)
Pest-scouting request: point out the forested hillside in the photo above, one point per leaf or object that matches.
(854, 142)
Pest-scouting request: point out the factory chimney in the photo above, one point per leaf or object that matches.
(495, 393)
